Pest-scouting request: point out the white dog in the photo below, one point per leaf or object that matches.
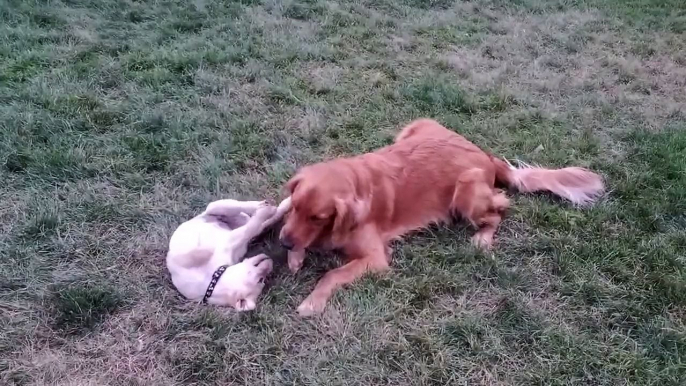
(205, 253)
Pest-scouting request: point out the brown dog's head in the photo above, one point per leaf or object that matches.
(325, 202)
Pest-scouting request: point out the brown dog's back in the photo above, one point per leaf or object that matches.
(433, 159)
(439, 172)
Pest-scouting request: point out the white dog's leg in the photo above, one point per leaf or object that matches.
(281, 210)
(237, 243)
(232, 207)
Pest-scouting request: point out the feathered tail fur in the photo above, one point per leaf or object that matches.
(578, 185)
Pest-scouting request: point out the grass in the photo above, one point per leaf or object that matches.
(120, 119)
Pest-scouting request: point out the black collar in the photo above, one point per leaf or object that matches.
(215, 278)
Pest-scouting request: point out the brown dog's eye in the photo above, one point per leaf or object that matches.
(317, 218)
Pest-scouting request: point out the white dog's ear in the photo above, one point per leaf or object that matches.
(245, 305)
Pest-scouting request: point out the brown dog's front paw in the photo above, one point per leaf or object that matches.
(389, 253)
(482, 241)
(313, 305)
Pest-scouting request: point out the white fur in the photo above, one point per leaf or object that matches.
(201, 245)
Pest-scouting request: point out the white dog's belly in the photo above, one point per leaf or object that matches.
(195, 241)
(189, 259)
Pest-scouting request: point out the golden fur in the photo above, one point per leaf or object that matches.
(360, 204)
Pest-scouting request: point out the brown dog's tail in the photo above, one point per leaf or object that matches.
(578, 185)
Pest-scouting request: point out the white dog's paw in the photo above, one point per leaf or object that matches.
(265, 211)
(284, 206)
(244, 305)
(313, 305)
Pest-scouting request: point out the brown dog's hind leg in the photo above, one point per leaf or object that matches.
(367, 254)
(477, 201)
(488, 225)
(489, 221)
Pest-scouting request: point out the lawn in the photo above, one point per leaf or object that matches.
(119, 119)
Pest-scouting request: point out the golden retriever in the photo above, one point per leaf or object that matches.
(429, 173)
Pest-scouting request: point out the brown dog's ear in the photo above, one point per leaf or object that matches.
(292, 184)
(349, 213)
(344, 220)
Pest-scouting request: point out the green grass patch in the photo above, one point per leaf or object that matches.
(120, 119)
(80, 308)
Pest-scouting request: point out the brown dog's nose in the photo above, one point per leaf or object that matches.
(287, 243)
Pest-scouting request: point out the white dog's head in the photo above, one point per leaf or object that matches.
(242, 283)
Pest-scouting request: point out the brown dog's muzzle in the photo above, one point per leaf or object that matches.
(297, 235)
(286, 242)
